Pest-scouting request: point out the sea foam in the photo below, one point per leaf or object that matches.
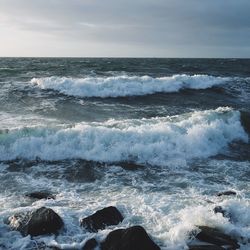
(118, 86)
(156, 141)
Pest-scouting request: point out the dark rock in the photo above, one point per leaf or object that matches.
(90, 244)
(206, 247)
(226, 214)
(41, 221)
(105, 217)
(216, 237)
(219, 209)
(133, 238)
(40, 195)
(227, 193)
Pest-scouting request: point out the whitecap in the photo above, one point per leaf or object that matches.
(118, 86)
(156, 141)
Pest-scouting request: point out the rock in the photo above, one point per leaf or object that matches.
(219, 209)
(216, 237)
(105, 217)
(41, 221)
(205, 247)
(40, 195)
(133, 238)
(226, 214)
(227, 193)
(90, 244)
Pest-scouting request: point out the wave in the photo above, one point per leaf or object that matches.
(245, 120)
(156, 141)
(119, 86)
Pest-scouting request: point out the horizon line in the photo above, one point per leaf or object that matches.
(123, 57)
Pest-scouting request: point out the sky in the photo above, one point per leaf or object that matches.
(125, 28)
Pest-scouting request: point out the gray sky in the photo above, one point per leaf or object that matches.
(126, 28)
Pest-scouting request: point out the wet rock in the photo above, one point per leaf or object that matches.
(206, 247)
(216, 237)
(226, 214)
(40, 195)
(227, 193)
(219, 209)
(41, 221)
(133, 238)
(105, 217)
(90, 244)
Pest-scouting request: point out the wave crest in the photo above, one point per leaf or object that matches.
(155, 141)
(119, 86)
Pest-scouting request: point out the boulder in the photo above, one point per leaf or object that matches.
(38, 222)
(227, 193)
(133, 238)
(216, 237)
(40, 195)
(90, 244)
(105, 217)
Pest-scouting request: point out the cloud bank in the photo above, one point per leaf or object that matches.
(162, 28)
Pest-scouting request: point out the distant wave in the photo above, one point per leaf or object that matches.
(155, 141)
(118, 86)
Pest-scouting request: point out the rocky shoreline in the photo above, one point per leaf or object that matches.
(46, 221)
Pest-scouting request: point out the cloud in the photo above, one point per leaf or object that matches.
(160, 28)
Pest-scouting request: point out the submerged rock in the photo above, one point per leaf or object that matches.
(90, 244)
(105, 217)
(216, 237)
(40, 195)
(133, 238)
(41, 221)
(227, 193)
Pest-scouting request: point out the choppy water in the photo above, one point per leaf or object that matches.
(71, 126)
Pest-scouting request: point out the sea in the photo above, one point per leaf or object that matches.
(157, 138)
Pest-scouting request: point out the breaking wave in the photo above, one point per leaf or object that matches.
(155, 141)
(119, 86)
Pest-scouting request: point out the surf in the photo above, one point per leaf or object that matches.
(121, 86)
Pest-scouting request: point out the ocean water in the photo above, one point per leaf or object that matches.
(158, 138)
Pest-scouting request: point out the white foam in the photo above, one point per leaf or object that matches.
(17, 121)
(126, 85)
(157, 141)
(168, 216)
